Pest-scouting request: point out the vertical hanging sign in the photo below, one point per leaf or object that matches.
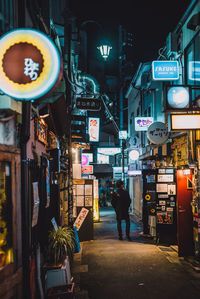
(94, 129)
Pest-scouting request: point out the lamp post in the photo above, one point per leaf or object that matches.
(104, 50)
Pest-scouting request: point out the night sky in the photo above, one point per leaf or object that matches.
(149, 21)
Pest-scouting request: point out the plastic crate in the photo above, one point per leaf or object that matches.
(62, 292)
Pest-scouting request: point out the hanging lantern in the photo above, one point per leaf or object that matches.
(104, 50)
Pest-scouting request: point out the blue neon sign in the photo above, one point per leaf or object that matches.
(165, 70)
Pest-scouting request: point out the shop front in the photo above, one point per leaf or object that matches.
(10, 223)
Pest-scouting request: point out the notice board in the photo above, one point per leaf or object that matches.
(83, 199)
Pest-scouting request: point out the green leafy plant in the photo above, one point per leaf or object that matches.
(61, 244)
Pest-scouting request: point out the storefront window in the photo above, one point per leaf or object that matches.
(192, 62)
(6, 252)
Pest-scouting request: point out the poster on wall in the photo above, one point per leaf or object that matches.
(165, 178)
(165, 217)
(171, 189)
(161, 188)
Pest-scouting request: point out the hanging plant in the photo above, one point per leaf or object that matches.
(61, 244)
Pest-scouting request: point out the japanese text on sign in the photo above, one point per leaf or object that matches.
(94, 129)
(81, 217)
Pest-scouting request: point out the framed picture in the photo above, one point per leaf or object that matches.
(165, 178)
(41, 131)
(171, 189)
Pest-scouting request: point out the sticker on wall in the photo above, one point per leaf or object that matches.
(30, 64)
(147, 197)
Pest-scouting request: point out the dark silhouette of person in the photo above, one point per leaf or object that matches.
(121, 202)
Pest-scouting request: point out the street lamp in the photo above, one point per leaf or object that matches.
(104, 50)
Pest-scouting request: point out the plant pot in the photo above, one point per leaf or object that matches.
(62, 292)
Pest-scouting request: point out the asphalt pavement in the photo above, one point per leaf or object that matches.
(108, 268)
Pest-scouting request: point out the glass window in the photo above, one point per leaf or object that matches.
(192, 63)
(6, 252)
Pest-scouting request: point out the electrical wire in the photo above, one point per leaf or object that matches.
(161, 54)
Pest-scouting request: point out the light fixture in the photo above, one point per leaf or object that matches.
(104, 50)
(178, 97)
(134, 155)
(123, 134)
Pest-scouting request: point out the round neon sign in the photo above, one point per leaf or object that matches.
(178, 97)
(30, 64)
(85, 160)
(133, 155)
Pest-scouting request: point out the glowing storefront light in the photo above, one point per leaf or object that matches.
(109, 150)
(105, 50)
(185, 122)
(30, 64)
(194, 70)
(133, 155)
(123, 134)
(178, 97)
(102, 159)
(142, 123)
(94, 129)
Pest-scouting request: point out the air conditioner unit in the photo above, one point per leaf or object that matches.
(10, 105)
(171, 44)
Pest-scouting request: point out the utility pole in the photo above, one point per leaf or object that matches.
(120, 59)
(67, 57)
(25, 199)
(121, 99)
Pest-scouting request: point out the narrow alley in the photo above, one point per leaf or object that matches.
(108, 268)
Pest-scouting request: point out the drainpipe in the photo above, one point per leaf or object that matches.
(67, 56)
(25, 200)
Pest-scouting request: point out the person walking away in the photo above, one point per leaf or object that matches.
(121, 202)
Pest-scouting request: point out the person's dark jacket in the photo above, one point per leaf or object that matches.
(121, 202)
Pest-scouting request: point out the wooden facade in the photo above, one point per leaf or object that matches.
(11, 274)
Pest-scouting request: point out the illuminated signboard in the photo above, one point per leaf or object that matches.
(30, 64)
(123, 134)
(88, 169)
(134, 155)
(194, 70)
(178, 97)
(142, 123)
(157, 133)
(94, 129)
(134, 172)
(102, 159)
(109, 150)
(183, 122)
(96, 200)
(165, 70)
(86, 158)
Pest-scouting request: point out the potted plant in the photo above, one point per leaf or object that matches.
(61, 244)
(60, 250)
